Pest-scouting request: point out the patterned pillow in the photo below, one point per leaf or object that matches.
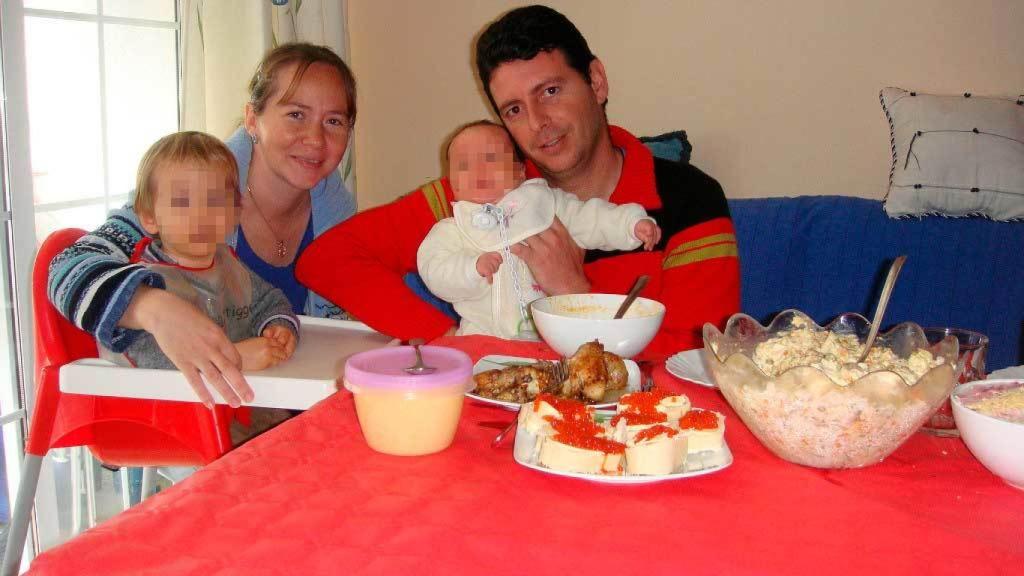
(955, 155)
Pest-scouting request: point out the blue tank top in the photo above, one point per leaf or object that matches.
(282, 277)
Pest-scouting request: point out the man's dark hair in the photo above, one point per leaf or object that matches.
(523, 33)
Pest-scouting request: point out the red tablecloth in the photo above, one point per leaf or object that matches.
(311, 498)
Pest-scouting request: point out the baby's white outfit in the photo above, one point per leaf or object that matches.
(447, 257)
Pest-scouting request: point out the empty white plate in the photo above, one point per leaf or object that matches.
(689, 365)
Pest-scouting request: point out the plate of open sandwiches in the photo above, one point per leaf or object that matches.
(591, 375)
(648, 437)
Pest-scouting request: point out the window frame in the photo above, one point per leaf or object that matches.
(17, 222)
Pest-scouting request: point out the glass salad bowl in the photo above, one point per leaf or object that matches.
(800, 390)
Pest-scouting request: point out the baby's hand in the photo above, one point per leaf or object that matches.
(487, 264)
(284, 338)
(260, 353)
(647, 232)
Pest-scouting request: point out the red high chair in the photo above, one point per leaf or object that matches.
(118, 431)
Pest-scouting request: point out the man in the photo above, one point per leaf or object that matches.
(550, 91)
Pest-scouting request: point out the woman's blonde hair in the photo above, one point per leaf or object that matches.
(192, 148)
(305, 55)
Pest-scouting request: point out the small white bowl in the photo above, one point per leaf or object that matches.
(998, 444)
(567, 322)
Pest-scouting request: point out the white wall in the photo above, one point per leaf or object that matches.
(779, 97)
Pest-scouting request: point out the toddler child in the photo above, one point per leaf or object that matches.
(465, 259)
(186, 199)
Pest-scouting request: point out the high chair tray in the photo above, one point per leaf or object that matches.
(309, 376)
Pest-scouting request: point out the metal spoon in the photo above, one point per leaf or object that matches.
(419, 367)
(500, 438)
(639, 285)
(883, 301)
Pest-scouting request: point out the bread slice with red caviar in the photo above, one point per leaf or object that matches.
(658, 449)
(703, 429)
(570, 440)
(647, 436)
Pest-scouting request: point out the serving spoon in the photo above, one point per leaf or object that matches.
(883, 301)
(639, 285)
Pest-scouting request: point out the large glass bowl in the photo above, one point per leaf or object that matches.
(803, 416)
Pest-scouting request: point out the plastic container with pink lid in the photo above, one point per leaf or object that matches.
(408, 414)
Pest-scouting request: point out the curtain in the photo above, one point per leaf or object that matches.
(222, 41)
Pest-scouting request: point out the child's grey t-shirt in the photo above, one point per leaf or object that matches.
(230, 294)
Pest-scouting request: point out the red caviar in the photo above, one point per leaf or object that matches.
(569, 409)
(591, 443)
(643, 401)
(699, 420)
(639, 418)
(576, 427)
(654, 432)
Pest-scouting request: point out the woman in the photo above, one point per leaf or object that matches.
(301, 110)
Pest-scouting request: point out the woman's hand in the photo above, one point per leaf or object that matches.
(260, 353)
(555, 260)
(193, 343)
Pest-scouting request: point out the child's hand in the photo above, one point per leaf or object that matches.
(260, 353)
(284, 338)
(645, 231)
(487, 265)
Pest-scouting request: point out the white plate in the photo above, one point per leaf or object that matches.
(497, 362)
(697, 464)
(1010, 373)
(689, 365)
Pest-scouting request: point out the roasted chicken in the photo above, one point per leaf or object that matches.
(592, 372)
(517, 383)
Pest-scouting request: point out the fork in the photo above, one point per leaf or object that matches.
(559, 368)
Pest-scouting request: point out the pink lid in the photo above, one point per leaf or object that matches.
(384, 368)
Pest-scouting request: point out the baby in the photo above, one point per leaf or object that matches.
(465, 259)
(187, 199)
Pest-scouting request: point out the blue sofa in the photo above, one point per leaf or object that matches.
(826, 255)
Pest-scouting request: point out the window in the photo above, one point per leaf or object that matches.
(102, 80)
(101, 83)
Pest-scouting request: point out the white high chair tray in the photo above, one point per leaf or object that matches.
(309, 376)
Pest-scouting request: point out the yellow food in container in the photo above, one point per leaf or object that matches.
(408, 414)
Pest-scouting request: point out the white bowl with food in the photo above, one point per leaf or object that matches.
(568, 321)
(990, 417)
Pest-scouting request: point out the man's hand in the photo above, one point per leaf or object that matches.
(260, 353)
(281, 335)
(487, 265)
(555, 260)
(192, 342)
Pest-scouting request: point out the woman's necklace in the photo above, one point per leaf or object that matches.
(280, 250)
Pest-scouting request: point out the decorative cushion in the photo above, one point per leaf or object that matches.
(957, 155)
